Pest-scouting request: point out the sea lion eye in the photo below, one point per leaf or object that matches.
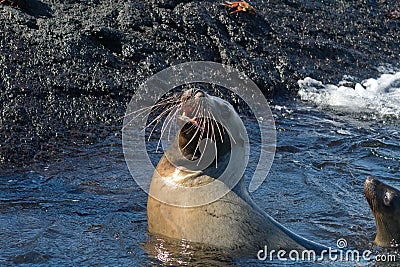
(387, 199)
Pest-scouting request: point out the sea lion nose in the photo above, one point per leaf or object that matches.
(369, 187)
(369, 183)
(199, 93)
(192, 93)
(186, 95)
(369, 180)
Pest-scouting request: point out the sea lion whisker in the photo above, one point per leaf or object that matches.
(144, 110)
(200, 138)
(197, 111)
(231, 135)
(191, 139)
(215, 140)
(168, 109)
(217, 124)
(158, 118)
(196, 114)
(209, 115)
(202, 153)
(206, 121)
(193, 126)
(168, 120)
(152, 130)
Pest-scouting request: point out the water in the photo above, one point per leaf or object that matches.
(374, 98)
(85, 209)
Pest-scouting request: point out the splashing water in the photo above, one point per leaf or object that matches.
(373, 98)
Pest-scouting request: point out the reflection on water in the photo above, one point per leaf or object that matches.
(184, 253)
(85, 209)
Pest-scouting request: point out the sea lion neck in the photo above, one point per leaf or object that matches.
(387, 233)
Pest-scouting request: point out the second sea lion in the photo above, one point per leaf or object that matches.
(384, 202)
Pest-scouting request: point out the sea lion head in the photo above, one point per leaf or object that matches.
(384, 202)
(207, 121)
(208, 156)
(202, 118)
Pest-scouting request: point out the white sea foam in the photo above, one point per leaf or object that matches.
(373, 97)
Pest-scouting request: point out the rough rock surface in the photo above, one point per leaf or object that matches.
(69, 67)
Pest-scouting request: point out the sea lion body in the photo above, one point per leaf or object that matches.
(232, 222)
(384, 202)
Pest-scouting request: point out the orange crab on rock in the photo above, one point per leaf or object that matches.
(7, 2)
(240, 6)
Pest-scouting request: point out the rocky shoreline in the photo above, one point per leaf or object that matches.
(69, 68)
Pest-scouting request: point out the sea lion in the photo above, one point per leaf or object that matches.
(223, 215)
(384, 202)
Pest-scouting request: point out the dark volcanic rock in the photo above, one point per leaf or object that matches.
(68, 68)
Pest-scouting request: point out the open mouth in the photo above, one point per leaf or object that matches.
(188, 116)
